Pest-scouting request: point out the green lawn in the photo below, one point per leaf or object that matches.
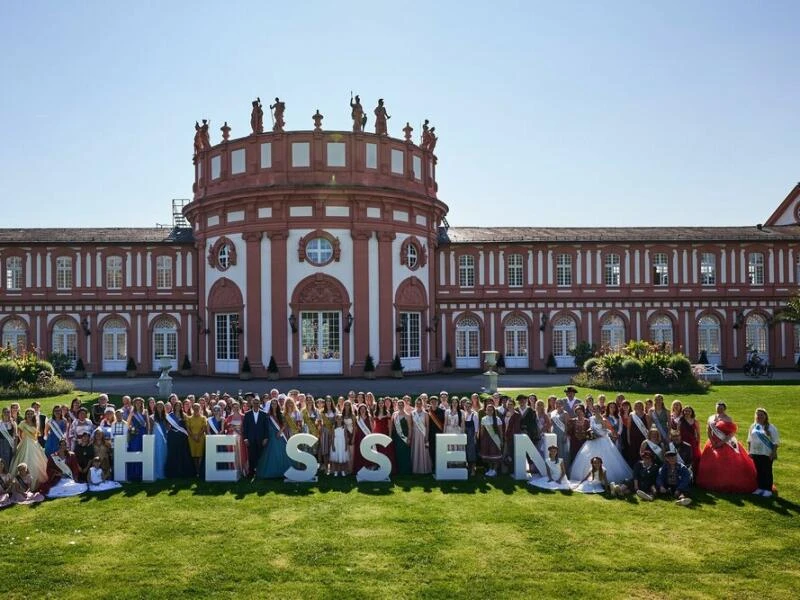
(415, 537)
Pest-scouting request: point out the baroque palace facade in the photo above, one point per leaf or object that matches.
(320, 247)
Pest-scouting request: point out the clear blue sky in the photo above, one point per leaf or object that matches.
(574, 113)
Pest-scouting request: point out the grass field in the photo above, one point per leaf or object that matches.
(415, 537)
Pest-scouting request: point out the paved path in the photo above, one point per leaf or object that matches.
(458, 382)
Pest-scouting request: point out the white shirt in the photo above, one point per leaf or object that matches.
(759, 447)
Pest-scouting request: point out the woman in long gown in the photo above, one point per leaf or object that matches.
(339, 460)
(138, 427)
(637, 433)
(179, 461)
(363, 428)
(233, 426)
(5, 485)
(29, 451)
(62, 472)
(659, 416)
(274, 462)
(382, 423)
(420, 457)
(22, 485)
(159, 429)
(8, 437)
(689, 429)
(327, 416)
(349, 424)
(471, 427)
(55, 430)
(490, 440)
(725, 465)
(600, 444)
(555, 476)
(197, 425)
(577, 427)
(98, 479)
(401, 428)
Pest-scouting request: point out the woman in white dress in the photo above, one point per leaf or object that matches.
(596, 479)
(97, 480)
(555, 477)
(600, 445)
(339, 455)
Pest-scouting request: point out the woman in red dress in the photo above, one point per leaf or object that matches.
(725, 465)
(233, 426)
(363, 427)
(689, 429)
(381, 424)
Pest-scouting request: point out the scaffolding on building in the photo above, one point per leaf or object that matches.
(178, 218)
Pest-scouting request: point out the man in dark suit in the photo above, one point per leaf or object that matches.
(435, 426)
(254, 432)
(41, 421)
(528, 423)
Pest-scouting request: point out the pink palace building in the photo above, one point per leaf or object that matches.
(319, 248)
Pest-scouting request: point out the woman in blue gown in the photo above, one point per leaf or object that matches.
(159, 429)
(138, 427)
(274, 462)
(179, 461)
(56, 431)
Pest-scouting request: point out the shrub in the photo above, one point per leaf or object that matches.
(703, 360)
(246, 365)
(448, 361)
(397, 365)
(681, 365)
(501, 362)
(551, 361)
(583, 352)
(61, 363)
(131, 366)
(187, 364)
(590, 365)
(47, 386)
(9, 373)
(369, 363)
(631, 368)
(79, 366)
(272, 367)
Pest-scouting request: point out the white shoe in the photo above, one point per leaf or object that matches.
(758, 492)
(766, 494)
(684, 501)
(335, 474)
(644, 495)
(491, 473)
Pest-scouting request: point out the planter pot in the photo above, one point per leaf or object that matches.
(185, 372)
(397, 374)
(130, 374)
(79, 374)
(272, 376)
(369, 374)
(245, 376)
(552, 370)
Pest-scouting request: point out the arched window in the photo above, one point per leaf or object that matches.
(15, 335)
(468, 343)
(165, 342)
(115, 345)
(565, 335)
(612, 333)
(661, 331)
(516, 342)
(65, 338)
(756, 332)
(708, 338)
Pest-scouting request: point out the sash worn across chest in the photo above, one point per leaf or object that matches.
(436, 421)
(7, 436)
(419, 422)
(363, 426)
(637, 420)
(56, 429)
(175, 425)
(62, 465)
(398, 427)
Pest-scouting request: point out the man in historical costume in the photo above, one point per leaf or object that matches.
(99, 409)
(357, 113)
(435, 425)
(570, 402)
(41, 421)
(254, 433)
(279, 108)
(381, 118)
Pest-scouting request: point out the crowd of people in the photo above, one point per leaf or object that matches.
(591, 446)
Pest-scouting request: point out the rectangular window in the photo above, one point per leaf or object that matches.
(114, 273)
(165, 343)
(301, 154)
(660, 269)
(372, 156)
(398, 157)
(164, 272)
(416, 164)
(466, 271)
(564, 270)
(612, 270)
(14, 273)
(336, 154)
(266, 155)
(238, 161)
(514, 267)
(216, 166)
(410, 335)
(708, 269)
(755, 268)
(64, 273)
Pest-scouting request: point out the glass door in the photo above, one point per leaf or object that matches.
(320, 343)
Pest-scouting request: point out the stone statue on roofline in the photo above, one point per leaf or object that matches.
(317, 116)
(434, 139)
(407, 131)
(357, 114)
(380, 118)
(277, 116)
(425, 138)
(257, 117)
(201, 141)
(226, 131)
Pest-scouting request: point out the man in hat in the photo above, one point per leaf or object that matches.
(99, 409)
(674, 479)
(570, 402)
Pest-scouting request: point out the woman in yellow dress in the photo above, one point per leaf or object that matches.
(29, 451)
(196, 425)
